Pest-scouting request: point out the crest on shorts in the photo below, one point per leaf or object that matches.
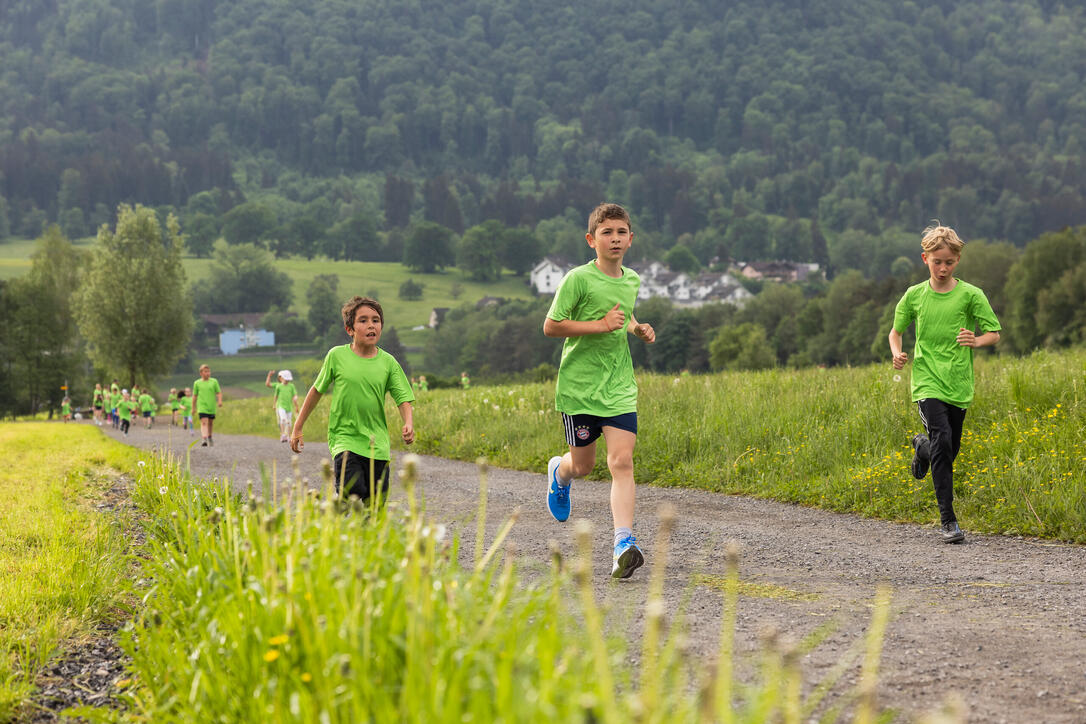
(582, 433)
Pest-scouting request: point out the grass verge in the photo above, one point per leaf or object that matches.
(313, 609)
(832, 438)
(62, 567)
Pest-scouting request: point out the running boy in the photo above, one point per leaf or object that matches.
(186, 410)
(124, 411)
(175, 405)
(97, 402)
(596, 390)
(357, 430)
(286, 400)
(147, 407)
(947, 311)
(66, 408)
(206, 401)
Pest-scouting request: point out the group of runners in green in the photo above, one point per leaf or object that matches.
(596, 390)
(117, 406)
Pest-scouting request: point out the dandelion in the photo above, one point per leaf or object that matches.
(163, 490)
(142, 464)
(278, 640)
(897, 378)
(271, 655)
(306, 677)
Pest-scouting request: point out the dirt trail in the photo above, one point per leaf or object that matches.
(999, 622)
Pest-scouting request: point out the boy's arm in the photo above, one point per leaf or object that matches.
(611, 321)
(644, 332)
(966, 338)
(193, 406)
(311, 399)
(900, 358)
(267, 381)
(408, 415)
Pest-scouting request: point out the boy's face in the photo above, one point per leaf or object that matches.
(205, 373)
(611, 239)
(941, 263)
(367, 326)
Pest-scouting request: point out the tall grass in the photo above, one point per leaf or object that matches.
(62, 566)
(832, 438)
(313, 609)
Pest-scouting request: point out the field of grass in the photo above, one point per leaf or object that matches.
(15, 255)
(62, 565)
(831, 438)
(355, 277)
(312, 609)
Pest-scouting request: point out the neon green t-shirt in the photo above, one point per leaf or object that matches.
(358, 401)
(285, 392)
(172, 399)
(596, 374)
(205, 393)
(65, 408)
(943, 369)
(114, 400)
(147, 403)
(124, 408)
(98, 396)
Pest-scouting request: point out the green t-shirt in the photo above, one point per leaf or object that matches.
(358, 401)
(124, 408)
(98, 396)
(465, 383)
(114, 400)
(205, 394)
(65, 408)
(147, 403)
(596, 374)
(943, 369)
(172, 399)
(285, 392)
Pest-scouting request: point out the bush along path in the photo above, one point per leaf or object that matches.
(994, 624)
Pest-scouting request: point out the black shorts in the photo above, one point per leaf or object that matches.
(207, 416)
(146, 413)
(98, 407)
(354, 470)
(583, 430)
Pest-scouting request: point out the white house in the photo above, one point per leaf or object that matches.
(545, 275)
(232, 340)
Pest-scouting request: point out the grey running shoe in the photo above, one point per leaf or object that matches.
(952, 533)
(921, 456)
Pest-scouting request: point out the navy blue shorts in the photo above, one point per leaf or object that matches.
(583, 430)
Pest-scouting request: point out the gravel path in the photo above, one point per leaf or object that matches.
(998, 622)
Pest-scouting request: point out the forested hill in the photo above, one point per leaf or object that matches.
(734, 124)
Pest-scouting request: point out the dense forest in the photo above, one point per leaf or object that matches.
(755, 130)
(478, 133)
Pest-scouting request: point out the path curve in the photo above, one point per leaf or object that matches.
(999, 622)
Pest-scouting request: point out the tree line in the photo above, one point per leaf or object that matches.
(1039, 295)
(746, 132)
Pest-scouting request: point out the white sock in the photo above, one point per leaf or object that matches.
(621, 533)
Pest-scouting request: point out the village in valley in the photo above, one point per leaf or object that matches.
(682, 289)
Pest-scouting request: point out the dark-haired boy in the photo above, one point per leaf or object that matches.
(357, 429)
(596, 391)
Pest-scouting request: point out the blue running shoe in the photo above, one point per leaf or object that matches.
(557, 495)
(628, 558)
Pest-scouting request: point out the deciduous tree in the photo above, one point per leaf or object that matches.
(133, 308)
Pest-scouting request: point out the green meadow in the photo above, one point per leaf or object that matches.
(831, 438)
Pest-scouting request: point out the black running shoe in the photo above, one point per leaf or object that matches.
(921, 456)
(952, 533)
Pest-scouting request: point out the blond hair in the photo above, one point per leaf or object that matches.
(937, 236)
(203, 367)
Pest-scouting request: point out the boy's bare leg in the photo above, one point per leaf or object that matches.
(578, 462)
(620, 446)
